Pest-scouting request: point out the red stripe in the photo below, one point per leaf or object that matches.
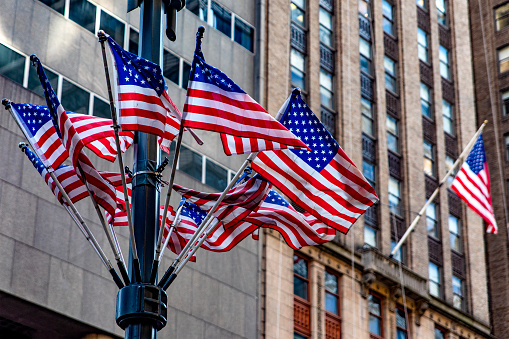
(215, 96)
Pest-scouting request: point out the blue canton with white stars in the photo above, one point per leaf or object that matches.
(203, 72)
(192, 211)
(37, 162)
(477, 157)
(51, 98)
(275, 198)
(134, 70)
(302, 122)
(32, 116)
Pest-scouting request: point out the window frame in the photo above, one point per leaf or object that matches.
(461, 296)
(303, 10)
(445, 15)
(327, 90)
(503, 61)
(457, 236)
(398, 197)
(407, 322)
(428, 102)
(421, 46)
(450, 119)
(436, 221)
(292, 66)
(392, 76)
(368, 59)
(441, 330)
(380, 317)
(445, 63)
(431, 158)
(370, 119)
(394, 134)
(496, 20)
(505, 102)
(438, 283)
(391, 20)
(425, 4)
(337, 295)
(306, 280)
(329, 31)
(375, 231)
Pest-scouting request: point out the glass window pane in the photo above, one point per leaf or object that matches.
(368, 170)
(375, 325)
(244, 34)
(134, 40)
(425, 92)
(393, 187)
(326, 98)
(331, 282)
(364, 8)
(387, 9)
(453, 224)
(221, 19)
(431, 211)
(439, 334)
(441, 5)
(300, 266)
(300, 287)
(434, 289)
(298, 14)
(331, 303)
(297, 60)
(216, 176)
(390, 66)
(113, 27)
(400, 318)
(325, 18)
(392, 125)
(185, 74)
(326, 79)
(503, 57)
(367, 125)
(12, 64)
(83, 12)
(387, 26)
(370, 237)
(399, 254)
(171, 67)
(57, 5)
(374, 305)
(298, 336)
(198, 7)
(433, 272)
(298, 79)
(502, 16)
(365, 48)
(300, 3)
(190, 163)
(101, 108)
(421, 3)
(422, 37)
(34, 83)
(74, 99)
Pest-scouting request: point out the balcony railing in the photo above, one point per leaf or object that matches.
(371, 216)
(326, 58)
(444, 36)
(394, 165)
(298, 38)
(368, 148)
(451, 145)
(332, 327)
(423, 19)
(426, 73)
(329, 120)
(327, 4)
(364, 28)
(366, 86)
(458, 264)
(448, 90)
(428, 129)
(431, 185)
(392, 104)
(391, 47)
(435, 251)
(301, 315)
(454, 204)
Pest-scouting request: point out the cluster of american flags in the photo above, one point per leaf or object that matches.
(295, 155)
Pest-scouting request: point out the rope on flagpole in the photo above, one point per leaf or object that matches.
(116, 128)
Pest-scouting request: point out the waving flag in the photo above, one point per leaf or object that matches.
(238, 203)
(298, 229)
(36, 121)
(120, 216)
(472, 185)
(141, 99)
(325, 182)
(177, 240)
(70, 182)
(215, 103)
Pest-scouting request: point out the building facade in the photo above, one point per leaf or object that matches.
(393, 81)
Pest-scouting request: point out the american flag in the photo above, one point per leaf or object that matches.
(237, 204)
(215, 103)
(36, 121)
(177, 241)
(141, 99)
(297, 229)
(325, 182)
(66, 175)
(120, 217)
(472, 185)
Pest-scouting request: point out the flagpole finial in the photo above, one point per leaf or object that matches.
(101, 35)
(34, 59)
(199, 34)
(296, 91)
(23, 146)
(6, 103)
(485, 121)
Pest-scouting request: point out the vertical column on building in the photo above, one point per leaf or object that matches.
(317, 272)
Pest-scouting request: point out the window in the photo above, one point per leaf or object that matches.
(506, 140)
(113, 27)
(244, 34)
(198, 7)
(399, 253)
(455, 233)
(422, 48)
(449, 163)
(392, 134)
(365, 51)
(370, 236)
(34, 83)
(426, 101)
(297, 62)
(390, 74)
(503, 59)
(458, 293)
(439, 333)
(429, 158)
(448, 116)
(331, 293)
(435, 285)
(401, 324)
(298, 336)
(74, 98)
(375, 316)
(215, 175)
(442, 11)
(502, 16)
(190, 163)
(171, 67)
(422, 3)
(505, 102)
(298, 12)
(367, 108)
(12, 64)
(57, 5)
(388, 21)
(326, 89)
(394, 196)
(83, 13)
(221, 19)
(432, 220)
(365, 8)
(443, 55)
(134, 41)
(185, 74)
(101, 108)
(325, 19)
(300, 277)
(368, 169)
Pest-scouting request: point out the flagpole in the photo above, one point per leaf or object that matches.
(116, 127)
(170, 231)
(460, 159)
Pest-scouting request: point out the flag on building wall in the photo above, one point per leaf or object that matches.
(472, 185)
(324, 182)
(142, 102)
(215, 103)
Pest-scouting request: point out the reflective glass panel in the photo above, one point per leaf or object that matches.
(244, 34)
(134, 39)
(74, 98)
(34, 83)
(101, 108)
(12, 64)
(216, 176)
(502, 16)
(171, 65)
(83, 13)
(370, 237)
(198, 7)
(221, 19)
(185, 74)
(113, 27)
(57, 5)
(190, 163)
(297, 8)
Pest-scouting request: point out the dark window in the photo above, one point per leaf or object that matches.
(325, 19)
(401, 324)
(435, 280)
(375, 316)
(505, 102)
(432, 220)
(298, 68)
(429, 158)
(502, 16)
(101, 108)
(215, 175)
(190, 163)
(198, 7)
(298, 336)
(300, 277)
(34, 83)
(503, 59)
(114, 27)
(83, 12)
(439, 333)
(221, 19)
(331, 293)
(185, 74)
(390, 74)
(244, 34)
(426, 101)
(388, 20)
(171, 67)
(57, 5)
(458, 298)
(506, 140)
(298, 12)
(74, 98)
(455, 233)
(134, 41)
(12, 64)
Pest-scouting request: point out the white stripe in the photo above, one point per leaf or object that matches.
(202, 86)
